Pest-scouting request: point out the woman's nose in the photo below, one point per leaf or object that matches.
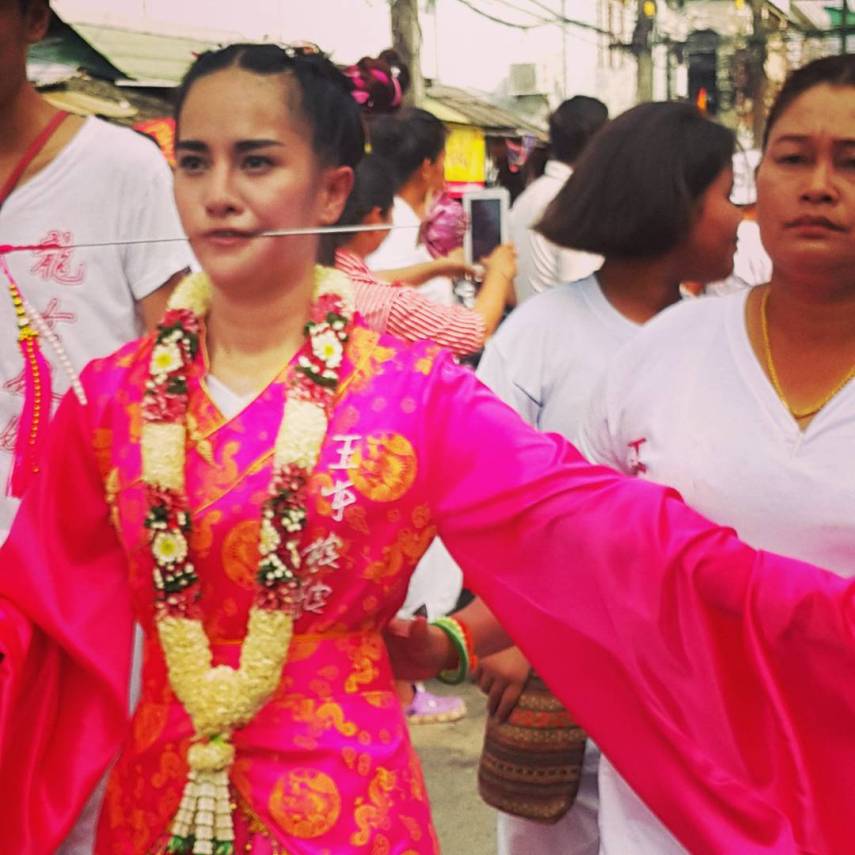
(220, 195)
(820, 183)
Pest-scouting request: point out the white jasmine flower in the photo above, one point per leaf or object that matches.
(269, 538)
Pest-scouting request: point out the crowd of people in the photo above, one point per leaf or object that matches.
(260, 455)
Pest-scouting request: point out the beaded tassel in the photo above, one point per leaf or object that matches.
(32, 428)
(203, 824)
(47, 333)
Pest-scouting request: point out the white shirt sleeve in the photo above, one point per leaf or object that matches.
(150, 213)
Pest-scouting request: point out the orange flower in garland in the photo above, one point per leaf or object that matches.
(220, 699)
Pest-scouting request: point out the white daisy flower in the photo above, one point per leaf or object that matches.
(165, 358)
(169, 547)
(327, 348)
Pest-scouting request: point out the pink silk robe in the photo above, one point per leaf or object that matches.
(715, 677)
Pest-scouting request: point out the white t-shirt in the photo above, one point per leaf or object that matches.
(436, 581)
(547, 357)
(228, 402)
(402, 249)
(544, 361)
(107, 184)
(541, 264)
(687, 403)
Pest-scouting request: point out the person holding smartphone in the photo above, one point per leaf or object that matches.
(395, 308)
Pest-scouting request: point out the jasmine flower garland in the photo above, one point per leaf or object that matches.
(221, 699)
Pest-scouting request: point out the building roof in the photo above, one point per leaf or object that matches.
(131, 59)
(145, 56)
(460, 106)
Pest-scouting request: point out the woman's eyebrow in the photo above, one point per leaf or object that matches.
(191, 145)
(252, 145)
(792, 138)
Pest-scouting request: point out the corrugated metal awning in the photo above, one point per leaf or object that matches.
(470, 109)
(148, 57)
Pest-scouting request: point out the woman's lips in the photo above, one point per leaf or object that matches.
(227, 237)
(814, 223)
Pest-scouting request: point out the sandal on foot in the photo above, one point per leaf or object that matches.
(428, 708)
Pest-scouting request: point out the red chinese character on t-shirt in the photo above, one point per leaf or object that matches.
(9, 435)
(53, 313)
(18, 386)
(54, 261)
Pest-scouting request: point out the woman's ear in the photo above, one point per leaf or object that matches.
(38, 20)
(336, 184)
(374, 217)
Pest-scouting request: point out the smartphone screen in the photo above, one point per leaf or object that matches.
(486, 225)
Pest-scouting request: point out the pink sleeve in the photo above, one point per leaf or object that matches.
(712, 675)
(65, 640)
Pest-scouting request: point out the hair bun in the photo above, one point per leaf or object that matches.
(379, 84)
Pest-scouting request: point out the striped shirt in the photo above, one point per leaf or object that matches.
(408, 314)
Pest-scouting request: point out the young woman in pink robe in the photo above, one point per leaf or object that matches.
(714, 675)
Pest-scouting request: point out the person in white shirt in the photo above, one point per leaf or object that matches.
(543, 264)
(547, 357)
(91, 183)
(413, 142)
(746, 404)
(751, 264)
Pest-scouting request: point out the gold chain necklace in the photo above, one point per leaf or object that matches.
(773, 374)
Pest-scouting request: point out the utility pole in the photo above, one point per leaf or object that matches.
(642, 38)
(407, 41)
(757, 66)
(564, 49)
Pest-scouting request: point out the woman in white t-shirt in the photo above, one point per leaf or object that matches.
(744, 403)
(545, 360)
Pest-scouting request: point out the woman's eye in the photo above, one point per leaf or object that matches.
(191, 163)
(256, 163)
(792, 158)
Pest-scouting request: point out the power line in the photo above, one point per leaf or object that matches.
(563, 19)
(539, 18)
(558, 18)
(497, 20)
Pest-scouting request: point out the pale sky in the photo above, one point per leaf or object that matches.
(350, 29)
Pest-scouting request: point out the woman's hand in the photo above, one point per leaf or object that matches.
(502, 261)
(418, 650)
(502, 677)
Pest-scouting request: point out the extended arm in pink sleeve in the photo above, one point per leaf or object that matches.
(713, 676)
(65, 637)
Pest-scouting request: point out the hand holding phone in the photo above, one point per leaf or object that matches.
(487, 222)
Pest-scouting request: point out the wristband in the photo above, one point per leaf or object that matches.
(461, 640)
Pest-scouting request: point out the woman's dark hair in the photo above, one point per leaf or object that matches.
(325, 100)
(635, 190)
(373, 187)
(831, 70)
(407, 139)
(573, 124)
(379, 84)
